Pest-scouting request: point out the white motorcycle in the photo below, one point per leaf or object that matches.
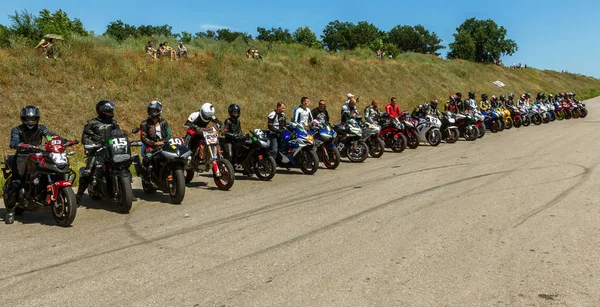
(428, 130)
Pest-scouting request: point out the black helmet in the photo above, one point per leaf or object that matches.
(105, 109)
(234, 107)
(539, 96)
(574, 95)
(434, 103)
(472, 95)
(527, 95)
(502, 98)
(459, 95)
(511, 96)
(30, 116)
(560, 95)
(484, 97)
(154, 105)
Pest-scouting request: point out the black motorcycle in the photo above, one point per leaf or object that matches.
(164, 169)
(349, 141)
(251, 155)
(450, 132)
(110, 173)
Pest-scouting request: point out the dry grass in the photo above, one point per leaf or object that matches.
(91, 69)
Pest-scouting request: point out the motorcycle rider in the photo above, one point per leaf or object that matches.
(433, 108)
(494, 103)
(302, 114)
(469, 104)
(349, 111)
(154, 131)
(502, 101)
(320, 113)
(24, 137)
(484, 104)
(372, 112)
(419, 111)
(232, 129)
(198, 120)
(511, 99)
(277, 125)
(451, 104)
(93, 137)
(392, 109)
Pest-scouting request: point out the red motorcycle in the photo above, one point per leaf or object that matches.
(48, 181)
(392, 133)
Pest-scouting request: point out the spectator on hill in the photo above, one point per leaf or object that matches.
(150, 50)
(167, 50)
(46, 47)
(181, 50)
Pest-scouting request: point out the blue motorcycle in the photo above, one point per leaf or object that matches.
(327, 150)
(298, 150)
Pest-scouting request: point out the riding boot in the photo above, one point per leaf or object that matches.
(9, 218)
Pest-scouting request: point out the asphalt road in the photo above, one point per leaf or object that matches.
(509, 220)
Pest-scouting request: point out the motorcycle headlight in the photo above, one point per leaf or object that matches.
(60, 159)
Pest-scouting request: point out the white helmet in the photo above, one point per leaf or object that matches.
(207, 112)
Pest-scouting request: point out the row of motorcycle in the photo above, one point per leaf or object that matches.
(169, 168)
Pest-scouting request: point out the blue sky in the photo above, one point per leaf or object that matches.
(551, 34)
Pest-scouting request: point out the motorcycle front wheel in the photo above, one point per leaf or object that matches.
(357, 152)
(412, 140)
(471, 133)
(177, 186)
(265, 168)
(124, 194)
(376, 147)
(64, 209)
(309, 161)
(451, 136)
(583, 113)
(508, 123)
(434, 137)
(517, 122)
(537, 119)
(399, 144)
(330, 156)
(227, 175)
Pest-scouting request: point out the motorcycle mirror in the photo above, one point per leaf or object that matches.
(135, 130)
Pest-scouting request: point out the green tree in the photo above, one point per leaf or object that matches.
(24, 25)
(120, 30)
(346, 36)
(305, 36)
(185, 37)
(208, 34)
(366, 34)
(58, 23)
(230, 36)
(414, 39)
(481, 41)
(274, 35)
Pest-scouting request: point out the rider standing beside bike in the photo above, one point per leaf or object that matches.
(320, 113)
(232, 129)
(92, 139)
(277, 125)
(22, 138)
(349, 111)
(372, 112)
(302, 114)
(392, 109)
(154, 131)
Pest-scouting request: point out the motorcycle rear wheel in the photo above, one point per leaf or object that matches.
(124, 195)
(265, 169)
(227, 178)
(177, 187)
(376, 147)
(65, 207)
(330, 157)
(357, 153)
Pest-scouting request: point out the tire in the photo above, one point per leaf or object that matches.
(265, 169)
(526, 121)
(560, 115)
(376, 147)
(177, 187)
(148, 187)
(501, 124)
(124, 195)
(576, 113)
(546, 118)
(517, 122)
(494, 126)
(481, 131)
(309, 163)
(471, 133)
(584, 113)
(434, 137)
(227, 178)
(330, 157)
(508, 123)
(452, 136)
(568, 114)
(537, 119)
(189, 175)
(399, 145)
(359, 154)
(412, 141)
(65, 208)
(552, 117)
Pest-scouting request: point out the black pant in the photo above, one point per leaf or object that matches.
(86, 176)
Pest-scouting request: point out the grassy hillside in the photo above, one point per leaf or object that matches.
(90, 69)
